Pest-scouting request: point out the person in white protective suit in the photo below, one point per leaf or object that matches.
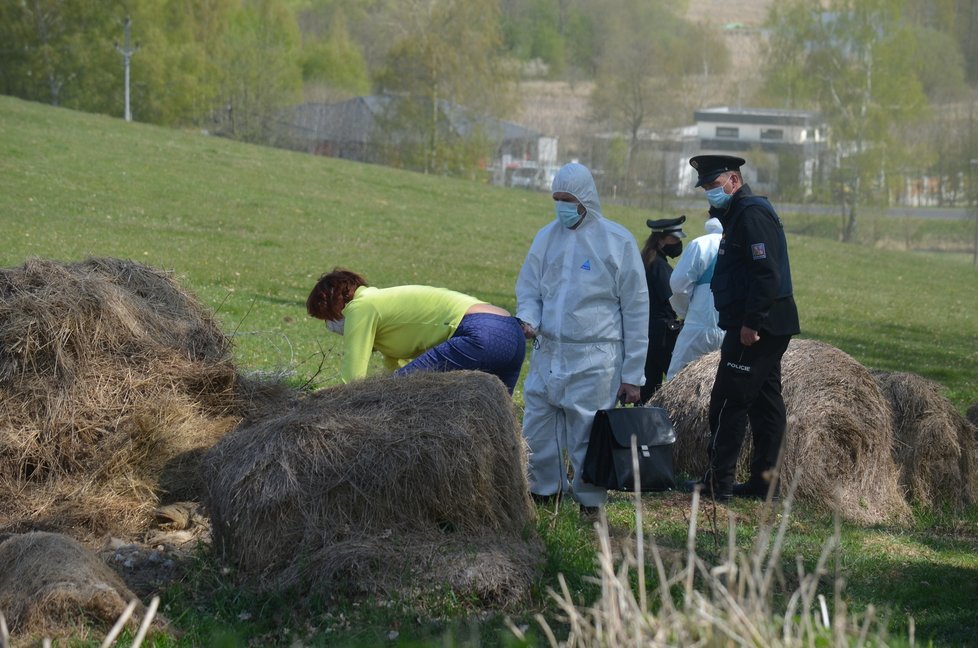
(692, 299)
(582, 297)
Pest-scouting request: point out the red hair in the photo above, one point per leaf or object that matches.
(332, 292)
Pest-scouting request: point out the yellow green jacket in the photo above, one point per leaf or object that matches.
(401, 322)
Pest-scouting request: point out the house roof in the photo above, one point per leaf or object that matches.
(726, 114)
(355, 120)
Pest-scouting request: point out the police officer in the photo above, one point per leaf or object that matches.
(753, 296)
(664, 241)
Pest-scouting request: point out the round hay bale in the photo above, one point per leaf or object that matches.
(109, 371)
(51, 584)
(934, 446)
(839, 435)
(972, 415)
(385, 484)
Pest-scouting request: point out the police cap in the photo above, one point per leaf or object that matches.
(672, 226)
(710, 166)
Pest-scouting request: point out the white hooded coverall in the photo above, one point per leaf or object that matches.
(692, 299)
(584, 292)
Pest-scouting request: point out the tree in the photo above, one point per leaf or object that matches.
(176, 73)
(336, 60)
(193, 54)
(260, 68)
(561, 33)
(957, 19)
(60, 52)
(638, 85)
(446, 52)
(853, 61)
(337, 36)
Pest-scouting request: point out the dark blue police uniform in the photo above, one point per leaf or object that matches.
(663, 325)
(751, 287)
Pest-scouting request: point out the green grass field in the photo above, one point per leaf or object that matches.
(250, 229)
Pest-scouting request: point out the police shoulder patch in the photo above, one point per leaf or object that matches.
(757, 251)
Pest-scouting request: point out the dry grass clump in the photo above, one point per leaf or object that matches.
(839, 433)
(110, 376)
(51, 584)
(740, 602)
(934, 445)
(386, 484)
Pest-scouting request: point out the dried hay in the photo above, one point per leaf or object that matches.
(110, 373)
(972, 415)
(51, 584)
(934, 445)
(839, 435)
(385, 485)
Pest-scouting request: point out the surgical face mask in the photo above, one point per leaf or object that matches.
(717, 197)
(336, 326)
(672, 250)
(567, 213)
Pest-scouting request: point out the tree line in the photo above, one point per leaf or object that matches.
(890, 76)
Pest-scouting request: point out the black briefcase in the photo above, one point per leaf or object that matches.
(608, 461)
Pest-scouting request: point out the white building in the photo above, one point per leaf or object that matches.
(782, 147)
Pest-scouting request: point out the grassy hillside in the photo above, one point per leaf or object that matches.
(250, 229)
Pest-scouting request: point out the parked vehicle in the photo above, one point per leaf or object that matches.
(527, 178)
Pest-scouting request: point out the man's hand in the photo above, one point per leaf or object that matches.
(628, 393)
(528, 331)
(748, 336)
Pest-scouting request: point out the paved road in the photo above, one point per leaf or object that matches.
(692, 205)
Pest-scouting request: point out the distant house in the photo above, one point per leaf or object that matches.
(786, 151)
(783, 147)
(366, 129)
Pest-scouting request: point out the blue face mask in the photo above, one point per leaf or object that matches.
(717, 197)
(336, 326)
(567, 214)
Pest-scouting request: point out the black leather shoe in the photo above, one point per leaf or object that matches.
(590, 512)
(706, 491)
(547, 500)
(754, 490)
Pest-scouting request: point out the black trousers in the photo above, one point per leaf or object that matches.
(662, 340)
(747, 387)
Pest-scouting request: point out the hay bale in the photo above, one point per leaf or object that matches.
(934, 446)
(839, 436)
(386, 484)
(972, 415)
(108, 372)
(51, 584)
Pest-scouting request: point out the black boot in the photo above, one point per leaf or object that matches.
(756, 489)
(546, 500)
(706, 490)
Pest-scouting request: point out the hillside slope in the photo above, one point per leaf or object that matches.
(250, 229)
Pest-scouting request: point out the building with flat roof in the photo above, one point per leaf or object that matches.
(784, 148)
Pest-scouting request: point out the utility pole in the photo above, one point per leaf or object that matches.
(974, 163)
(127, 51)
